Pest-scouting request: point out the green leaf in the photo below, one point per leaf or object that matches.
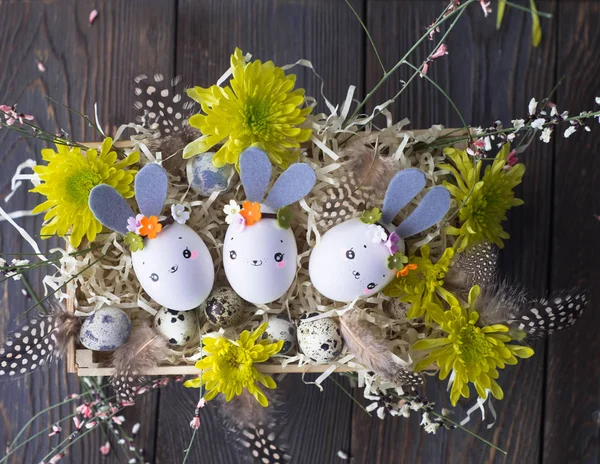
(536, 28)
(500, 13)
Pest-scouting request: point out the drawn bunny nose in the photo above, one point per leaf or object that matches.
(356, 274)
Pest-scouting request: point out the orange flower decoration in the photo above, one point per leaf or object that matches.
(150, 227)
(251, 212)
(404, 271)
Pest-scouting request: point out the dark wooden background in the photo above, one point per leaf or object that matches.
(551, 411)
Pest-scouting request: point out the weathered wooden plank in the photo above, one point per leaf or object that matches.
(490, 75)
(283, 31)
(84, 64)
(572, 425)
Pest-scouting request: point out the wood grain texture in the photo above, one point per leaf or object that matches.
(282, 31)
(84, 64)
(490, 75)
(572, 408)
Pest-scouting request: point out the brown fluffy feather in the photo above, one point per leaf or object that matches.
(144, 349)
(371, 170)
(373, 351)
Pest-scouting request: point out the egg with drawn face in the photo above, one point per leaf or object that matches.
(347, 263)
(260, 260)
(175, 269)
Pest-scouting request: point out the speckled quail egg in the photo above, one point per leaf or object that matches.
(319, 339)
(224, 308)
(281, 328)
(105, 330)
(178, 327)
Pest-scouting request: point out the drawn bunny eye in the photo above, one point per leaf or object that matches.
(232, 254)
(154, 277)
(187, 254)
(371, 286)
(350, 254)
(278, 257)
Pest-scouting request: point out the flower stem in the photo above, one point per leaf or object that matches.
(368, 34)
(442, 18)
(349, 395)
(479, 437)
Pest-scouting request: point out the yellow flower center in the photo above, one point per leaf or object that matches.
(79, 184)
(474, 344)
(256, 116)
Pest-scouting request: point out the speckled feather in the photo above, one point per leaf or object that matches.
(144, 349)
(39, 341)
(476, 266)
(163, 109)
(545, 316)
(259, 434)
(373, 351)
(362, 183)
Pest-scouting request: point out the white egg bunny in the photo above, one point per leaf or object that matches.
(173, 265)
(260, 252)
(354, 258)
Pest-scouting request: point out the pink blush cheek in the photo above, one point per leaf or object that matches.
(194, 254)
(366, 291)
(281, 265)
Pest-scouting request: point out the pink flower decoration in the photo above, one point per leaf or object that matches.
(392, 243)
(11, 115)
(105, 449)
(85, 409)
(55, 430)
(441, 51)
(93, 16)
(134, 223)
(56, 458)
(195, 423)
(77, 422)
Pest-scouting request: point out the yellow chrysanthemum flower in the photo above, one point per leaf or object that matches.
(424, 285)
(486, 200)
(471, 353)
(258, 108)
(228, 366)
(67, 179)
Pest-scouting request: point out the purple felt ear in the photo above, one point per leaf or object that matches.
(110, 208)
(403, 187)
(293, 185)
(431, 210)
(255, 173)
(151, 189)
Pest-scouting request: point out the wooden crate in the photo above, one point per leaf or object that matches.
(84, 362)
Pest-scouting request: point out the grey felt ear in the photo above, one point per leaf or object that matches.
(431, 210)
(151, 189)
(403, 187)
(293, 185)
(110, 208)
(255, 173)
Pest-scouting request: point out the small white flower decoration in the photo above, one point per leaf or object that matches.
(570, 131)
(597, 100)
(538, 123)
(180, 215)
(518, 123)
(376, 233)
(546, 133)
(553, 111)
(231, 210)
(532, 106)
